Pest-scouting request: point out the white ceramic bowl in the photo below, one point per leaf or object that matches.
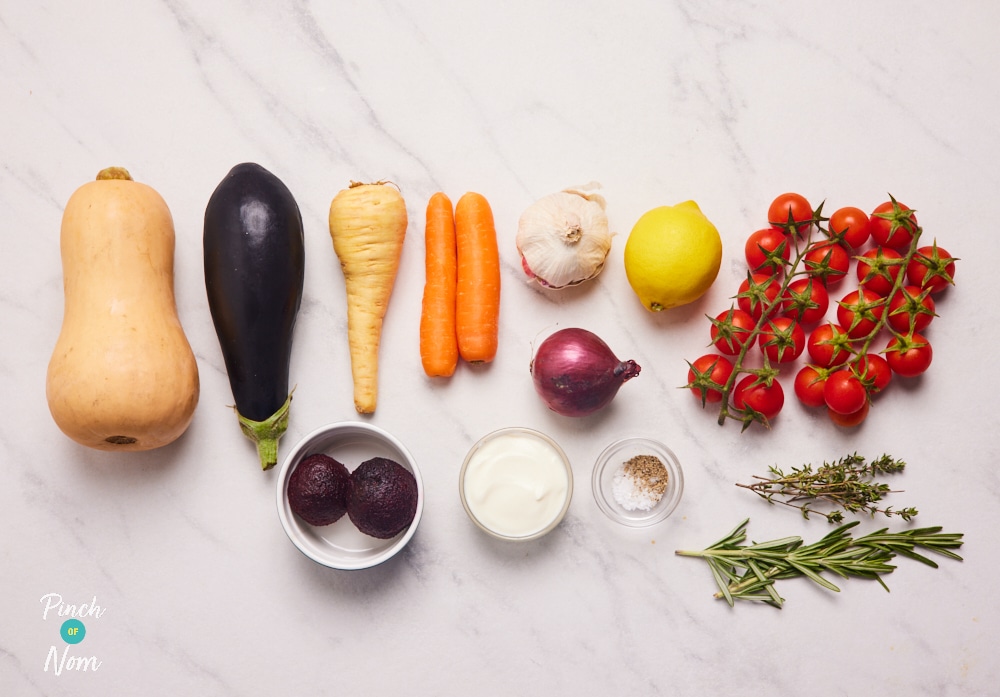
(500, 479)
(341, 545)
(604, 475)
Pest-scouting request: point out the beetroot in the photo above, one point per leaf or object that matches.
(382, 500)
(318, 488)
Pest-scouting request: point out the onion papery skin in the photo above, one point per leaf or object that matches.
(576, 373)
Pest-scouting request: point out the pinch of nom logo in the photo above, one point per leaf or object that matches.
(72, 631)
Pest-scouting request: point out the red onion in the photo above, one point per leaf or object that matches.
(576, 374)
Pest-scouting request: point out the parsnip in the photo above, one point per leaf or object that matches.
(368, 225)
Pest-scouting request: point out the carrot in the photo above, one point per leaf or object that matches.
(477, 310)
(438, 340)
(367, 224)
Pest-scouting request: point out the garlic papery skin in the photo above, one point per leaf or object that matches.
(564, 238)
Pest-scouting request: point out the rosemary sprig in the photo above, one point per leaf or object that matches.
(749, 571)
(848, 484)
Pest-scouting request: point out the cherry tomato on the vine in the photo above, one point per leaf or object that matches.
(768, 250)
(809, 384)
(827, 261)
(874, 372)
(731, 331)
(756, 292)
(909, 356)
(931, 267)
(788, 290)
(762, 398)
(878, 268)
(849, 420)
(707, 374)
(807, 301)
(844, 393)
(829, 345)
(849, 226)
(892, 224)
(788, 209)
(860, 312)
(910, 309)
(782, 340)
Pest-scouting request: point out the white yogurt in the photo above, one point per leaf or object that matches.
(516, 483)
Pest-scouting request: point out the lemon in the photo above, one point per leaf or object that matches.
(672, 256)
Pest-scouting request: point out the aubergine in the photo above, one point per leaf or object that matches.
(254, 273)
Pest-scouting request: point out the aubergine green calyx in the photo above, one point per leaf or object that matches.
(254, 273)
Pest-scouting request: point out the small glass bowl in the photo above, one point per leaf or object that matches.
(604, 475)
(518, 432)
(341, 545)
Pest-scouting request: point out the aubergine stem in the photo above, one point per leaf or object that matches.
(265, 434)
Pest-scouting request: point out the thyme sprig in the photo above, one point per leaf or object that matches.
(749, 571)
(848, 484)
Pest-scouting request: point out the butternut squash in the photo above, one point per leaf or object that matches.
(122, 375)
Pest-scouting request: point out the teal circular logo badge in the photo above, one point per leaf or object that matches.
(72, 631)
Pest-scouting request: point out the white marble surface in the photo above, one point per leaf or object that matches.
(726, 103)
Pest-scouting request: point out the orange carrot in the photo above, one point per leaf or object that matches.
(438, 340)
(477, 310)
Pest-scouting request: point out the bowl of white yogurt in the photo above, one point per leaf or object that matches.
(516, 484)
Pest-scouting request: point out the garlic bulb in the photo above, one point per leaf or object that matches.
(564, 239)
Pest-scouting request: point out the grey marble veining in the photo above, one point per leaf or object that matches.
(728, 104)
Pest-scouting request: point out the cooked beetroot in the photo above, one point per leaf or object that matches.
(317, 490)
(382, 500)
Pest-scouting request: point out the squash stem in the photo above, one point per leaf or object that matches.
(265, 434)
(119, 173)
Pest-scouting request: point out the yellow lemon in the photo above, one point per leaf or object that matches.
(672, 256)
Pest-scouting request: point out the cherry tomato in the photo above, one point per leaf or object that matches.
(849, 420)
(756, 292)
(788, 209)
(809, 384)
(860, 311)
(807, 301)
(892, 224)
(849, 226)
(827, 261)
(782, 340)
(764, 399)
(829, 345)
(731, 330)
(767, 250)
(707, 374)
(878, 268)
(874, 372)
(844, 393)
(909, 356)
(911, 309)
(931, 267)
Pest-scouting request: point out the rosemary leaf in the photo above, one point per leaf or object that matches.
(809, 573)
(838, 552)
(724, 579)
